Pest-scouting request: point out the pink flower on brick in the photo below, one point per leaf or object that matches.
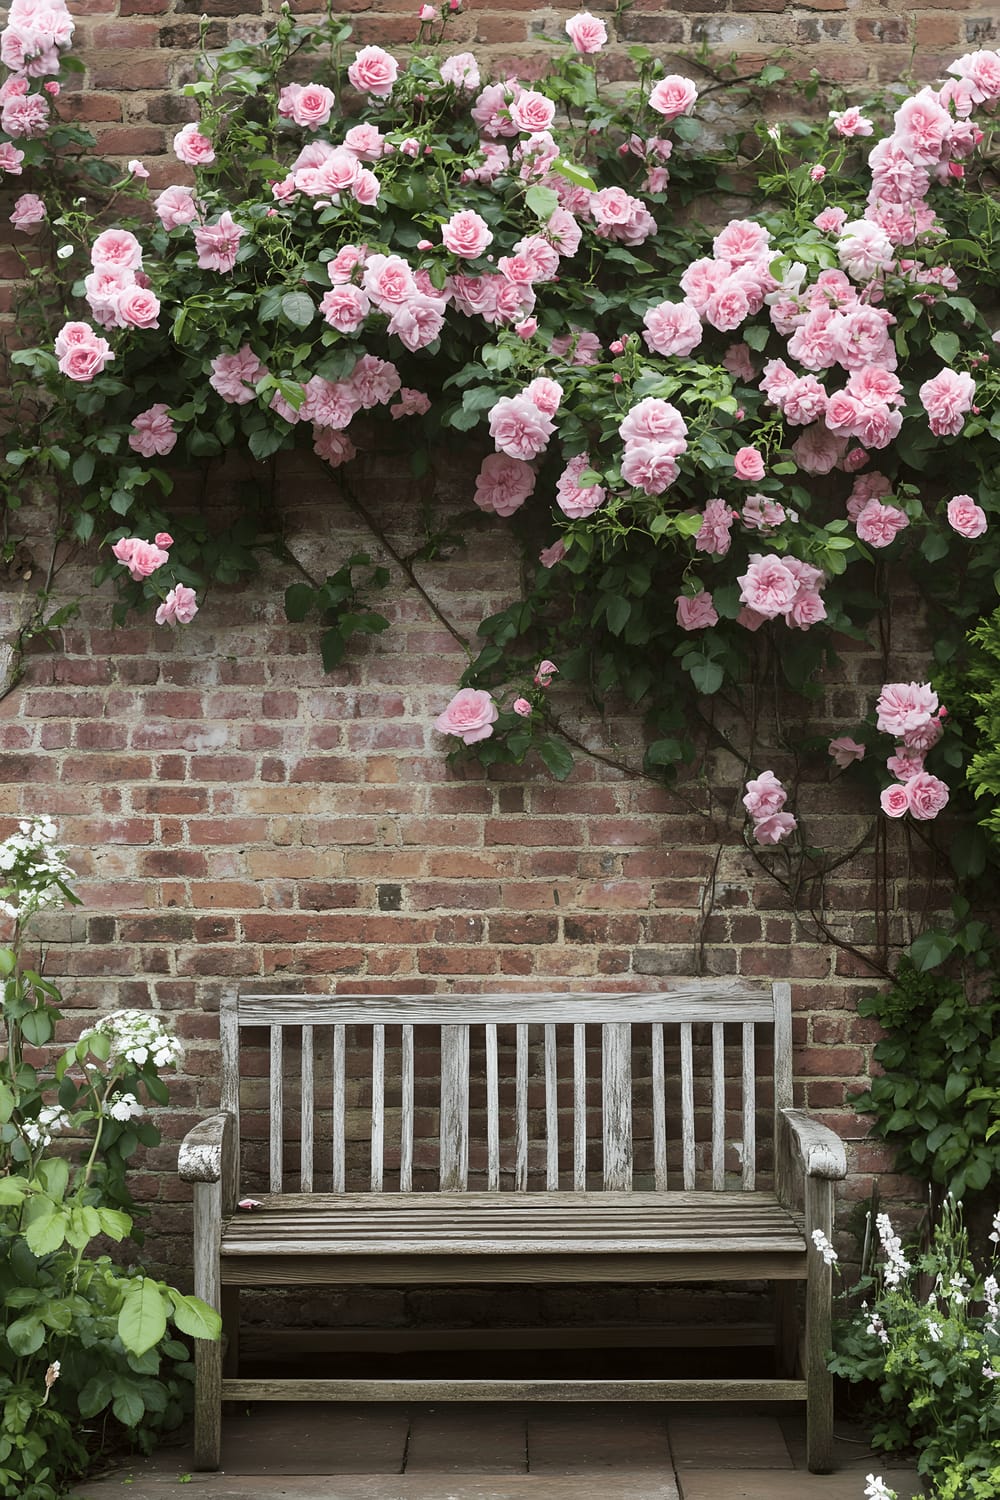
(926, 795)
(345, 308)
(894, 801)
(851, 122)
(334, 447)
(672, 328)
(903, 706)
(673, 96)
(503, 484)
(775, 828)
(470, 716)
(29, 213)
(118, 248)
(193, 148)
(235, 375)
(179, 607)
(140, 557)
(573, 500)
(845, 751)
(25, 116)
(544, 673)
(218, 243)
(545, 393)
(650, 466)
(905, 762)
(946, 398)
(466, 234)
(587, 33)
(656, 421)
(742, 242)
(764, 795)
(462, 71)
(518, 428)
(549, 556)
(11, 159)
(411, 403)
(696, 611)
(308, 104)
(716, 525)
(138, 308)
(522, 707)
(768, 586)
(153, 432)
(879, 524)
(374, 71)
(966, 517)
(175, 206)
(532, 112)
(81, 352)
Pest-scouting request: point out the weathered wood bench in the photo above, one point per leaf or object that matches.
(720, 1181)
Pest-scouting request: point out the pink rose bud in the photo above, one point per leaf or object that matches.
(163, 539)
(453, 5)
(817, 173)
(544, 673)
(617, 347)
(137, 169)
(527, 328)
(748, 464)
(249, 1203)
(426, 13)
(51, 88)
(425, 245)
(522, 706)
(616, 380)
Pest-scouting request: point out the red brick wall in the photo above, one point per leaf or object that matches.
(234, 814)
(138, 51)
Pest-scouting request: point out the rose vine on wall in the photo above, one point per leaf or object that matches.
(723, 448)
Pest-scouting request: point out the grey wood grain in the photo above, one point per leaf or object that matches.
(307, 1111)
(616, 1089)
(453, 1129)
(277, 1111)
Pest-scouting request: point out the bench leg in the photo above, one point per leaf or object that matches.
(819, 1332)
(231, 1331)
(786, 1329)
(207, 1352)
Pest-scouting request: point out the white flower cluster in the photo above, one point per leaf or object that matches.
(991, 1291)
(824, 1247)
(876, 1489)
(125, 1107)
(995, 1236)
(138, 1037)
(896, 1264)
(50, 1119)
(33, 870)
(877, 1329)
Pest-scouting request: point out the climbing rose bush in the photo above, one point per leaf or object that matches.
(712, 438)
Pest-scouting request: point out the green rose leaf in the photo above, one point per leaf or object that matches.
(142, 1321)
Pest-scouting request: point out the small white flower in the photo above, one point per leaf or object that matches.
(934, 1329)
(995, 1236)
(64, 252)
(125, 1107)
(990, 1373)
(824, 1247)
(875, 1489)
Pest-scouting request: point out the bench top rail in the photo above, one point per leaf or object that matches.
(512, 1093)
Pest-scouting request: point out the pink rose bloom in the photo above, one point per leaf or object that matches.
(522, 706)
(375, 381)
(905, 762)
(345, 308)
(175, 206)
(851, 122)
(418, 322)
(966, 517)
(218, 243)
(138, 308)
(341, 269)
(470, 715)
(716, 524)
(178, 608)
(696, 611)
(649, 466)
(895, 803)
(373, 71)
(737, 360)
(831, 220)
(153, 432)
(804, 402)
(466, 234)
(333, 446)
(818, 450)
(807, 608)
(922, 128)
(411, 403)
(765, 795)
(309, 104)
(549, 556)
(903, 706)
(979, 73)
(235, 375)
(879, 524)
(867, 487)
(365, 141)
(542, 257)
(503, 484)
(141, 558)
(673, 96)
(29, 213)
(84, 358)
(527, 328)
(863, 249)
(163, 539)
(657, 421)
(462, 71)
(672, 328)
(582, 346)
(11, 159)
(587, 33)
(748, 464)
(761, 513)
(845, 751)
(742, 241)
(777, 380)
(118, 248)
(775, 828)
(518, 428)
(926, 795)
(768, 586)
(491, 110)
(531, 112)
(544, 673)
(946, 399)
(25, 116)
(573, 500)
(192, 147)
(365, 188)
(545, 393)
(388, 281)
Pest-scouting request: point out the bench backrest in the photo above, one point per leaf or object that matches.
(515, 1078)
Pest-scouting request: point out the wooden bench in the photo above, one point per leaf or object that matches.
(580, 1138)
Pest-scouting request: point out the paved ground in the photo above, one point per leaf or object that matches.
(574, 1452)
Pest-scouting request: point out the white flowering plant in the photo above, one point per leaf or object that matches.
(81, 1336)
(925, 1341)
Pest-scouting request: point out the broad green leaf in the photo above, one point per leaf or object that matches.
(664, 752)
(114, 1223)
(54, 1176)
(930, 949)
(7, 1102)
(195, 1317)
(129, 1407)
(37, 1027)
(542, 201)
(142, 1321)
(12, 1190)
(95, 1395)
(557, 757)
(299, 600)
(947, 345)
(618, 612)
(26, 1335)
(43, 1235)
(298, 308)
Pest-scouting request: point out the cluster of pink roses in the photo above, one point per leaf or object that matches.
(117, 289)
(81, 352)
(909, 711)
(775, 586)
(655, 436)
(142, 559)
(764, 801)
(35, 34)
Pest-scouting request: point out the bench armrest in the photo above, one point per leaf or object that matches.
(203, 1151)
(819, 1149)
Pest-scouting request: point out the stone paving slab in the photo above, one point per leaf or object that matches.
(704, 1440)
(587, 1439)
(457, 1440)
(607, 1486)
(728, 1484)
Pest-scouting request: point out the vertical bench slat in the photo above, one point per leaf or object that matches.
(616, 1089)
(783, 1086)
(492, 1111)
(579, 1106)
(659, 1111)
(551, 1110)
(307, 1111)
(453, 1125)
(521, 1109)
(337, 1122)
(378, 1107)
(718, 1106)
(277, 1111)
(749, 1110)
(406, 1111)
(687, 1106)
